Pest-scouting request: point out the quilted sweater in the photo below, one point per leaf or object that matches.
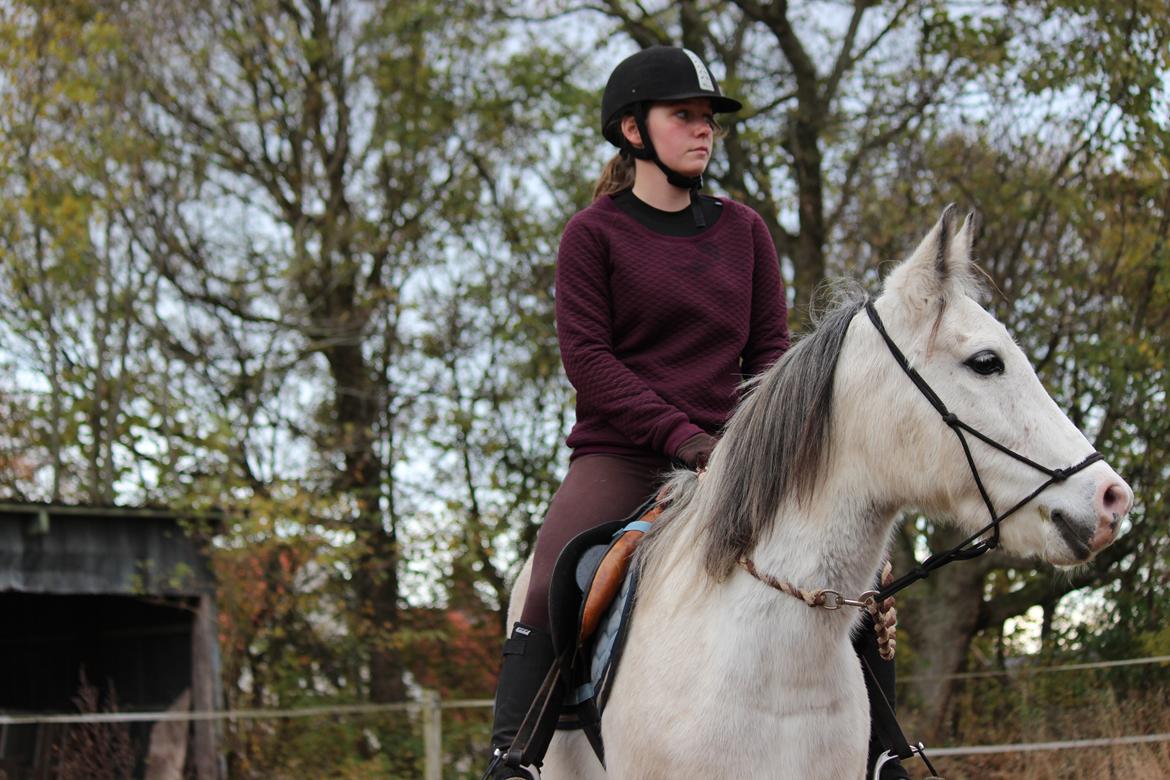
(658, 332)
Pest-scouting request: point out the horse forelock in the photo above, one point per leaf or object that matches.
(776, 444)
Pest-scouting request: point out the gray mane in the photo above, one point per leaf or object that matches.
(776, 443)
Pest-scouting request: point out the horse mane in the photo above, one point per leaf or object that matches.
(774, 446)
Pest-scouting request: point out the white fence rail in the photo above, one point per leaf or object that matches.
(1031, 747)
(428, 711)
(1023, 670)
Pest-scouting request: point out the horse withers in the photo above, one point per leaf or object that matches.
(723, 676)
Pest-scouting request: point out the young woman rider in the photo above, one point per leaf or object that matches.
(666, 301)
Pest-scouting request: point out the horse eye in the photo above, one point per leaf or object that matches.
(985, 362)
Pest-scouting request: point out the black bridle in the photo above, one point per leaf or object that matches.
(973, 546)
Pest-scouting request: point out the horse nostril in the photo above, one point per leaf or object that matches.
(1115, 500)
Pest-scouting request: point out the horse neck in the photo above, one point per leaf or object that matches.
(770, 641)
(835, 539)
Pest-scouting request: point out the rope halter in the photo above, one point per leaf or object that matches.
(880, 603)
(973, 546)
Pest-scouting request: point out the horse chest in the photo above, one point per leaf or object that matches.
(717, 707)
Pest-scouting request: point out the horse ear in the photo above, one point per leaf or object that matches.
(941, 265)
(968, 235)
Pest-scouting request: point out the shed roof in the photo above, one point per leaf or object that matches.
(55, 548)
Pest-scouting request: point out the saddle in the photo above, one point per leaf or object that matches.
(590, 601)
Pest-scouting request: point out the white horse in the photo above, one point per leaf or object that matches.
(724, 677)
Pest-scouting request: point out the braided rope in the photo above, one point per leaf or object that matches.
(814, 598)
(885, 616)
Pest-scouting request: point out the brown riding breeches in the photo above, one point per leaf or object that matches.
(597, 489)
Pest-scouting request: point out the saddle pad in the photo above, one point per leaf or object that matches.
(610, 638)
(599, 655)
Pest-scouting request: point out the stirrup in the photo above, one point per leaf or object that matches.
(499, 770)
(917, 750)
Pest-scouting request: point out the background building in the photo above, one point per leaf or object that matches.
(104, 609)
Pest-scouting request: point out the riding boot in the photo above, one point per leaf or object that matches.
(528, 657)
(867, 649)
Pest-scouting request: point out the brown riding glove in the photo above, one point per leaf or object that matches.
(695, 451)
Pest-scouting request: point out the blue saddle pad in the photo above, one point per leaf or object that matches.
(609, 639)
(597, 659)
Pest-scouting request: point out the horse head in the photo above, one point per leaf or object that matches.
(991, 436)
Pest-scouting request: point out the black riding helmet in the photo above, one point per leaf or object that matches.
(659, 73)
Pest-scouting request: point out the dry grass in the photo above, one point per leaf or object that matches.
(1132, 762)
(1059, 710)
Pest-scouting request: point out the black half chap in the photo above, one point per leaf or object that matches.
(596, 490)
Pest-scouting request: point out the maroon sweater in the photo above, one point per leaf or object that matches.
(657, 332)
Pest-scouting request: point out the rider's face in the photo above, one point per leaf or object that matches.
(683, 133)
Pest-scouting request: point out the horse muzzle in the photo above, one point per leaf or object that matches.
(1112, 501)
(1086, 537)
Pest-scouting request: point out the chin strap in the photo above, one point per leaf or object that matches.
(673, 177)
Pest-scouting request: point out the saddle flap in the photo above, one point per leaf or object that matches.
(565, 594)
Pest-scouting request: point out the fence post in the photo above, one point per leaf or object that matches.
(432, 724)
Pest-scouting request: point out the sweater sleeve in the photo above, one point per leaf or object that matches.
(768, 338)
(604, 384)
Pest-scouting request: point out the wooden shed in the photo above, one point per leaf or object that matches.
(124, 600)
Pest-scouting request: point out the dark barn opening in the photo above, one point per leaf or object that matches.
(103, 610)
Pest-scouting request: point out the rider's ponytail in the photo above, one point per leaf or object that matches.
(617, 175)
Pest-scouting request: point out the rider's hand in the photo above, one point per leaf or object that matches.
(695, 451)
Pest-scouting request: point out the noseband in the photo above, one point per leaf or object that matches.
(973, 546)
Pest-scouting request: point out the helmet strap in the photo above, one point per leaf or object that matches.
(673, 177)
(646, 151)
(697, 208)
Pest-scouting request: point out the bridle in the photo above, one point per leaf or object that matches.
(973, 546)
